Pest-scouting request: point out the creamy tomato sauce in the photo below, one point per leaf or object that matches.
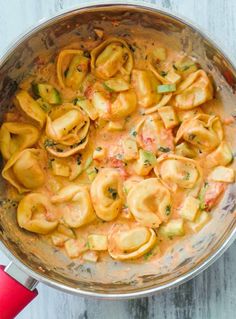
(116, 150)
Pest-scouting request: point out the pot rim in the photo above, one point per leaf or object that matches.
(218, 251)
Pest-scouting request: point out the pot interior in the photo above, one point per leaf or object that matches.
(139, 25)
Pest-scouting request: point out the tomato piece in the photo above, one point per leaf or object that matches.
(212, 194)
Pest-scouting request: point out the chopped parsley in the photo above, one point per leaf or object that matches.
(186, 176)
(119, 156)
(113, 192)
(164, 149)
(132, 48)
(78, 99)
(79, 159)
(106, 87)
(147, 255)
(168, 210)
(133, 133)
(191, 137)
(48, 143)
(147, 162)
(175, 67)
(99, 148)
(87, 54)
(163, 73)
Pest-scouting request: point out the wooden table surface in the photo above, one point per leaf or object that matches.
(212, 294)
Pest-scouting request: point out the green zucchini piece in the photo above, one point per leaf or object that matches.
(47, 92)
(166, 88)
(174, 227)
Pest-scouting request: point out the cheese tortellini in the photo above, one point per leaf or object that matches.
(126, 243)
(110, 58)
(150, 202)
(195, 90)
(123, 105)
(203, 131)
(15, 137)
(30, 108)
(152, 135)
(36, 214)
(145, 84)
(72, 67)
(67, 130)
(25, 170)
(80, 211)
(177, 171)
(107, 194)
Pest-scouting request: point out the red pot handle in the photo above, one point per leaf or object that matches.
(13, 296)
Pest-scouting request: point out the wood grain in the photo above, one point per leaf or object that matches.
(212, 295)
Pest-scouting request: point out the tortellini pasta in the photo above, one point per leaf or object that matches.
(110, 58)
(195, 90)
(15, 137)
(152, 135)
(107, 194)
(123, 105)
(75, 204)
(150, 202)
(36, 214)
(25, 170)
(72, 67)
(67, 130)
(177, 171)
(145, 84)
(204, 131)
(30, 108)
(130, 243)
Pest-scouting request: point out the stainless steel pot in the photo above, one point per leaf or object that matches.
(37, 259)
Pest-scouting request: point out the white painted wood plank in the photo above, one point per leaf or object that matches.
(212, 295)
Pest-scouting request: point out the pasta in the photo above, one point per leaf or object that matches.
(15, 137)
(204, 131)
(106, 194)
(113, 56)
(35, 213)
(24, 170)
(149, 201)
(80, 211)
(177, 171)
(130, 243)
(113, 150)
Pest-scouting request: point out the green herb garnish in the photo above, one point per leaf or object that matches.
(87, 54)
(79, 159)
(191, 137)
(106, 87)
(147, 163)
(186, 176)
(168, 210)
(99, 148)
(113, 192)
(133, 133)
(78, 99)
(163, 73)
(48, 143)
(164, 149)
(147, 255)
